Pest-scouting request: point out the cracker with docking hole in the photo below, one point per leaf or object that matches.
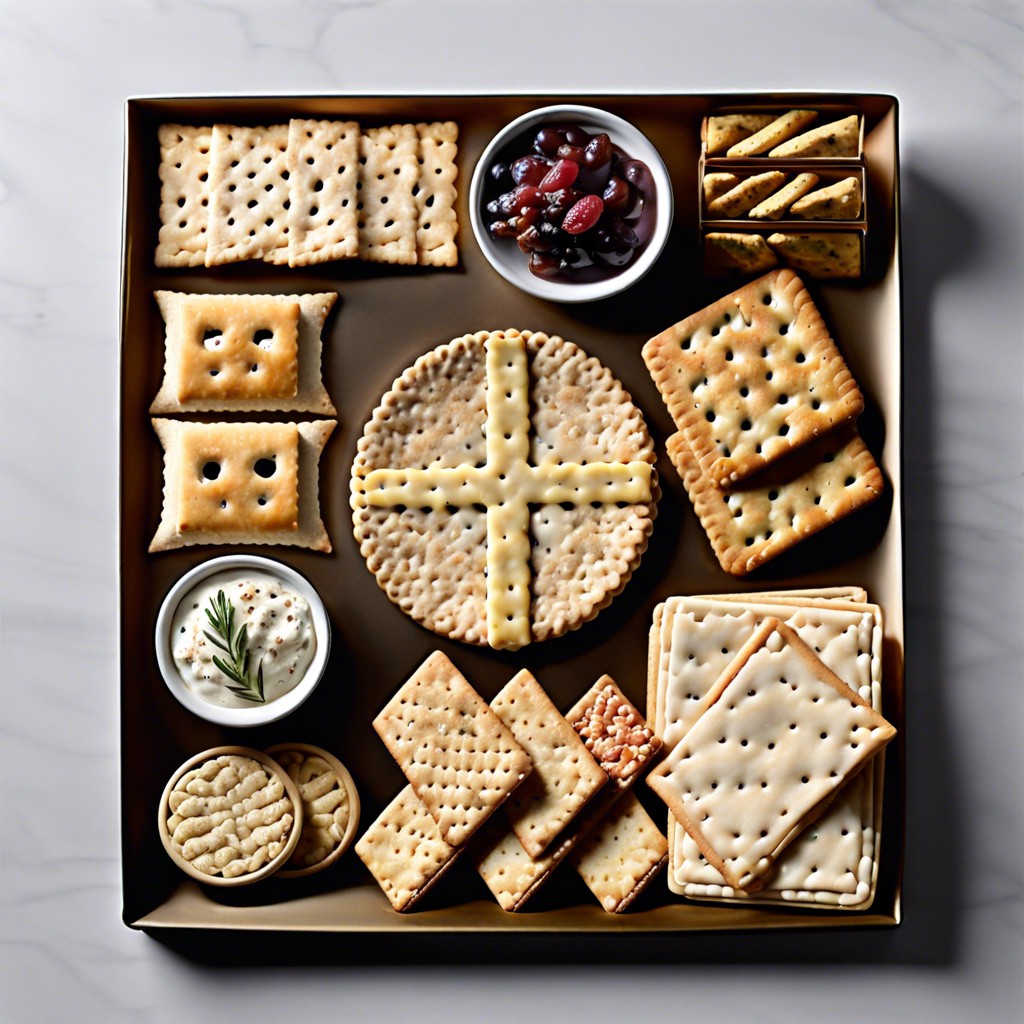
(405, 851)
(241, 483)
(781, 736)
(620, 857)
(748, 192)
(323, 168)
(388, 173)
(773, 134)
(693, 640)
(776, 205)
(839, 138)
(725, 130)
(184, 195)
(462, 760)
(503, 491)
(249, 195)
(748, 528)
(819, 254)
(752, 377)
(435, 194)
(841, 201)
(245, 353)
(565, 775)
(717, 183)
(728, 252)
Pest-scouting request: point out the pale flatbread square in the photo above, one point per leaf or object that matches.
(781, 736)
(405, 851)
(753, 377)
(323, 169)
(461, 759)
(565, 775)
(243, 352)
(435, 194)
(840, 201)
(248, 194)
(621, 856)
(241, 483)
(776, 205)
(746, 193)
(725, 130)
(840, 138)
(821, 254)
(737, 252)
(773, 134)
(749, 527)
(388, 174)
(184, 195)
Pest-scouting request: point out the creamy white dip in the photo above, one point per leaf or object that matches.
(279, 625)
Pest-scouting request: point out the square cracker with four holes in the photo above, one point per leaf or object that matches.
(241, 483)
(752, 377)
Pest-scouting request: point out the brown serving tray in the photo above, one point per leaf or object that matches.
(385, 318)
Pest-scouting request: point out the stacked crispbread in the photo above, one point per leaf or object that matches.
(765, 408)
(771, 704)
(306, 192)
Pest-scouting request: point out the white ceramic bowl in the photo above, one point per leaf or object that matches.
(258, 714)
(505, 256)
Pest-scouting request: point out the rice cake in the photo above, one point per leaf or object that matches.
(503, 491)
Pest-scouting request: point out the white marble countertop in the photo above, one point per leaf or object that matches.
(68, 65)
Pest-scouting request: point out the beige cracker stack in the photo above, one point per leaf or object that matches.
(765, 406)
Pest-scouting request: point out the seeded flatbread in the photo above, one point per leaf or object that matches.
(462, 475)
(717, 183)
(243, 352)
(753, 377)
(748, 192)
(388, 173)
(773, 134)
(435, 194)
(776, 205)
(749, 527)
(841, 201)
(840, 138)
(727, 252)
(824, 254)
(241, 483)
(725, 130)
(184, 195)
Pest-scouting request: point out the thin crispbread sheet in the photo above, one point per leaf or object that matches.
(780, 736)
(241, 505)
(565, 775)
(267, 354)
(831, 479)
(405, 851)
(462, 761)
(621, 855)
(693, 640)
(323, 170)
(388, 172)
(435, 195)
(184, 195)
(753, 377)
(248, 194)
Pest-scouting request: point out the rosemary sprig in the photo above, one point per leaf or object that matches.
(235, 644)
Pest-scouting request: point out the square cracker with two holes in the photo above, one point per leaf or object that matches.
(752, 377)
(241, 483)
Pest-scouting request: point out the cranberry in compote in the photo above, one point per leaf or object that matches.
(578, 206)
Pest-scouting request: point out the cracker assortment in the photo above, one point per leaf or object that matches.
(791, 134)
(307, 192)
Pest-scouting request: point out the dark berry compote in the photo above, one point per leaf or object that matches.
(578, 206)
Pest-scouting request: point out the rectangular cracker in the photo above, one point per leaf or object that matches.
(323, 170)
(565, 775)
(287, 375)
(435, 195)
(840, 201)
(748, 528)
(405, 851)
(753, 377)
(388, 173)
(839, 138)
(781, 736)
(620, 857)
(184, 195)
(461, 759)
(200, 508)
(747, 192)
(776, 205)
(773, 134)
(248, 194)
(827, 254)
(725, 130)
(737, 252)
